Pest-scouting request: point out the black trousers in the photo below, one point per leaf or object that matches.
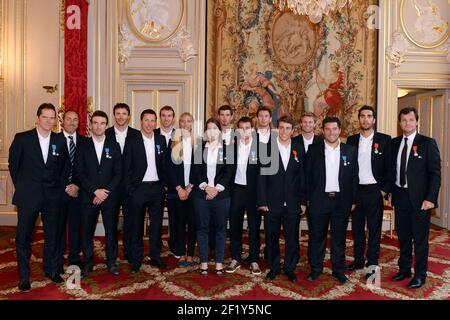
(331, 213)
(25, 226)
(185, 219)
(308, 250)
(69, 228)
(171, 212)
(241, 202)
(369, 208)
(147, 197)
(288, 220)
(90, 218)
(412, 226)
(127, 213)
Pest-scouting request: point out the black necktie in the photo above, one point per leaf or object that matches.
(71, 156)
(403, 164)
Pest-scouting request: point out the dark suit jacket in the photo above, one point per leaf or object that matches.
(381, 160)
(285, 186)
(135, 161)
(253, 167)
(316, 176)
(299, 139)
(423, 172)
(158, 132)
(93, 176)
(34, 180)
(199, 173)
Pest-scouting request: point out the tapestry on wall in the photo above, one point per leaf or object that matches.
(259, 56)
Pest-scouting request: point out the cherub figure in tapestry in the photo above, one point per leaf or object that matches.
(259, 84)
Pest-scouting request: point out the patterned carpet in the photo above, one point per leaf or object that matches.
(186, 283)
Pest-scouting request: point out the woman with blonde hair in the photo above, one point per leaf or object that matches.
(179, 172)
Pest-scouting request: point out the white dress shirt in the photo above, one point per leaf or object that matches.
(264, 137)
(167, 135)
(332, 163)
(187, 154)
(211, 163)
(45, 145)
(365, 160)
(285, 153)
(307, 142)
(243, 153)
(121, 136)
(399, 157)
(99, 148)
(226, 135)
(67, 135)
(151, 174)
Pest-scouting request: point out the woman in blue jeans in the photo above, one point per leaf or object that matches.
(211, 175)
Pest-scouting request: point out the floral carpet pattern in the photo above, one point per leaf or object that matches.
(177, 283)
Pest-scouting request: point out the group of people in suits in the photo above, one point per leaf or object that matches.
(211, 180)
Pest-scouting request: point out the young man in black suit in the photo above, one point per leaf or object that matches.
(281, 196)
(332, 182)
(121, 132)
(98, 166)
(167, 130)
(69, 225)
(375, 182)
(243, 197)
(417, 174)
(37, 160)
(145, 181)
(307, 138)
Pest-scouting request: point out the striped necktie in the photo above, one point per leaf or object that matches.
(71, 156)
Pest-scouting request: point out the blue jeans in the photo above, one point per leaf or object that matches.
(217, 212)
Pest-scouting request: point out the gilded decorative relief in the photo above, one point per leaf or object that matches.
(154, 20)
(426, 22)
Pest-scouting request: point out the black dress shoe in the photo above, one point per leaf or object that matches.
(355, 266)
(400, 276)
(135, 268)
(113, 269)
(313, 275)
(24, 285)
(291, 276)
(340, 277)
(416, 283)
(158, 263)
(56, 278)
(271, 275)
(87, 269)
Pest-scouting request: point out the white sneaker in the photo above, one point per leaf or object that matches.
(254, 267)
(233, 267)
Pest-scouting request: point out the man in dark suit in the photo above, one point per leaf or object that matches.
(307, 138)
(281, 195)
(332, 182)
(98, 166)
(145, 182)
(243, 197)
(37, 160)
(120, 132)
(167, 130)
(375, 182)
(417, 174)
(69, 225)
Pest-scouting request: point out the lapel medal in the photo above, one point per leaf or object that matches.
(107, 153)
(158, 147)
(220, 155)
(54, 150)
(415, 151)
(376, 145)
(344, 157)
(294, 152)
(253, 158)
